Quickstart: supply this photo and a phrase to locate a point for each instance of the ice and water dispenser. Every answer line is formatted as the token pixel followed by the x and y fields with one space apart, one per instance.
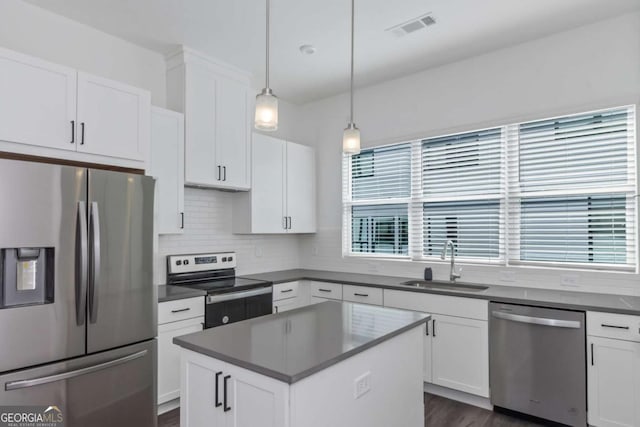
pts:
pixel 26 276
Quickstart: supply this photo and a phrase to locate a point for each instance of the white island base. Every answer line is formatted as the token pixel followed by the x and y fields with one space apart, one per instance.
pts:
pixel 391 371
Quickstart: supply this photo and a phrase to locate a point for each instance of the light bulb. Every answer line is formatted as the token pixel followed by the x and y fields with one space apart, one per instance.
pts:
pixel 266 117
pixel 351 140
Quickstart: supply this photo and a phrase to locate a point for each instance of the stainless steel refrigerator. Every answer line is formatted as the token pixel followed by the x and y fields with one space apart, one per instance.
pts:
pixel 77 302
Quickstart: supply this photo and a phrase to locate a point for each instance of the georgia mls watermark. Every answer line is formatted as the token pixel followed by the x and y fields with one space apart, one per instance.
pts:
pixel 31 416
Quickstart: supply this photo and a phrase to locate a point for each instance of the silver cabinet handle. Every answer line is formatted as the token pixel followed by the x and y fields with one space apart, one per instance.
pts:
pixel 324 290
pixel 556 323
pixel 284 291
pixel 181 310
pixel 73 131
pixel 360 295
pixel 94 270
pixel 212 299
pixel 82 133
pixel 82 263
pixel 15 385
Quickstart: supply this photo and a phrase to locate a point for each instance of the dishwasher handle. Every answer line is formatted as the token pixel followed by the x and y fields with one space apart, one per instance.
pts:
pixel 556 323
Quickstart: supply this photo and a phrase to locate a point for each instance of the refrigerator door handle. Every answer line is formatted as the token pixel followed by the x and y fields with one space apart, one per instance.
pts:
pixel 82 263
pixel 94 250
pixel 16 385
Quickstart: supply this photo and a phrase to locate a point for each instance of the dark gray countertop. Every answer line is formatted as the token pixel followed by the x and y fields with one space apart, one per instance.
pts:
pixel 509 294
pixel 292 345
pixel 170 293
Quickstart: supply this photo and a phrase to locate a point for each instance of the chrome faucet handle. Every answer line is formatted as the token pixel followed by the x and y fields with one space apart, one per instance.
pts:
pixel 455 275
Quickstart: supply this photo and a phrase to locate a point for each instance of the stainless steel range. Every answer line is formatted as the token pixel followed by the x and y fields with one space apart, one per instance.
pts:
pixel 229 298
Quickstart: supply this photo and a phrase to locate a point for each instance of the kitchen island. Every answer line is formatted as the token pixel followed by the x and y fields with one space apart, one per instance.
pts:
pixel 329 364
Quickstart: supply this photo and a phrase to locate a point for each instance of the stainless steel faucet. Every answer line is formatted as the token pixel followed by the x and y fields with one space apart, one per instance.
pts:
pixel 452 274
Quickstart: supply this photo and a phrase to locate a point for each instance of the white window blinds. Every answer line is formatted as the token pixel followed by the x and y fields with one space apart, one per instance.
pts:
pixel 462 188
pixel 559 191
pixel 572 190
pixel 376 192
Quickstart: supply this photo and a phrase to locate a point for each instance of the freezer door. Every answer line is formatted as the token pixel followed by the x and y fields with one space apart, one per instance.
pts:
pixel 121 296
pixel 113 388
pixel 41 207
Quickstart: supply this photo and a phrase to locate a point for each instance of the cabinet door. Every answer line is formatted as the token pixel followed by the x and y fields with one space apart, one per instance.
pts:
pixel 202 391
pixel 169 356
pixel 460 354
pixel 613 382
pixel 114 119
pixel 37 102
pixel 428 365
pixel 232 134
pixel 267 191
pixel 200 126
pixel 285 305
pixel 301 190
pixel 254 400
pixel 167 166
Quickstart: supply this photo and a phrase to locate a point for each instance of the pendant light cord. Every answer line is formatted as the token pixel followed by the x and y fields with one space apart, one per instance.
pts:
pixel 351 84
pixel 267 50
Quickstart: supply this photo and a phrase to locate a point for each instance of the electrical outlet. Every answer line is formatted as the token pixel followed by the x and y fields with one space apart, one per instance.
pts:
pixel 258 251
pixel 569 280
pixel 314 250
pixel 362 385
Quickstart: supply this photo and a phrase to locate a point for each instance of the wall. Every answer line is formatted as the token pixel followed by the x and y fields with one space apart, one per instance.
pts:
pixel 209 216
pixel 589 67
pixel 28 29
pixel 208 219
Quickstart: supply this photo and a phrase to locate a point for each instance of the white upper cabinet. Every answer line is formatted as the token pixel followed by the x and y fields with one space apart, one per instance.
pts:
pixel 283 193
pixel 53 111
pixel 37 102
pixel 167 166
pixel 215 101
pixel 300 189
pixel 113 118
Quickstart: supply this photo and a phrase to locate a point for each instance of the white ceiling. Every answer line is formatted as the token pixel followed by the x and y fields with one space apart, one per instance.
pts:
pixel 233 31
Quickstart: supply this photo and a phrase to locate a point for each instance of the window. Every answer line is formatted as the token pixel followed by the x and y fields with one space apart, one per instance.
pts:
pixel 558 191
pixel 377 193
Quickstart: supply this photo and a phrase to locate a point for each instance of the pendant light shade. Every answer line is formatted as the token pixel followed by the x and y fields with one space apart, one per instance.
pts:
pixel 351 140
pixel 266 117
pixel 351 136
pixel 266 111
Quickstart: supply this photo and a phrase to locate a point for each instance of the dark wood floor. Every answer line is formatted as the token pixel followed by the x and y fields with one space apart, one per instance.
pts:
pixel 438 412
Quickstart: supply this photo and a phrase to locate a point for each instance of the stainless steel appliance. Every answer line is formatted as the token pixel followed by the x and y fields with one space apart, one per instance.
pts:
pixel 538 362
pixel 229 298
pixel 77 301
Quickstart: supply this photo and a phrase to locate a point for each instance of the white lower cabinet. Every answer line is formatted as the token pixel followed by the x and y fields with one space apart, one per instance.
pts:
pixel 219 394
pixel 460 354
pixel 175 318
pixel 613 370
pixel 290 295
pixel 456 340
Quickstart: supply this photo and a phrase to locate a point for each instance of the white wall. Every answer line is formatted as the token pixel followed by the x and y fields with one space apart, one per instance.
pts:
pixel 28 29
pixel 208 219
pixel 593 66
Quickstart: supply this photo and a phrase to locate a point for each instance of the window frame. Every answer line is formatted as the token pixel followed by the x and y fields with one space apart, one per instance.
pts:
pixel 509 222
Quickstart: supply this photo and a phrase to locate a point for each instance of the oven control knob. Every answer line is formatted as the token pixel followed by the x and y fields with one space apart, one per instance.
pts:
pixel 225 319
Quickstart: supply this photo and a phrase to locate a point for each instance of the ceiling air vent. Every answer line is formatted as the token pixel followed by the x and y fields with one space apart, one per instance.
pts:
pixel 412 25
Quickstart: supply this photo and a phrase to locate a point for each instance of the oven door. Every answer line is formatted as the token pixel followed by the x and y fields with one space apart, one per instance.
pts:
pixel 236 306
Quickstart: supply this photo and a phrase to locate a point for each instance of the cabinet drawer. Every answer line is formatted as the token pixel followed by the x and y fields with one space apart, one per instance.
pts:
pixel 172 311
pixel 285 290
pixel 363 294
pixel 469 308
pixel 326 290
pixel 609 325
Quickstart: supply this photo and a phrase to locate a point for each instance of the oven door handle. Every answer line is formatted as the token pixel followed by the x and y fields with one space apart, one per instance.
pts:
pixel 558 323
pixel 212 299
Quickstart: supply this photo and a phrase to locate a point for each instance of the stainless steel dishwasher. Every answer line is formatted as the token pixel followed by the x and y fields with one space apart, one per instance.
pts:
pixel 538 362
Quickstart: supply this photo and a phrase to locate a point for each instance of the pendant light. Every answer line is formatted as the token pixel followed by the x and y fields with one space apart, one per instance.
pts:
pixel 351 136
pixel 266 117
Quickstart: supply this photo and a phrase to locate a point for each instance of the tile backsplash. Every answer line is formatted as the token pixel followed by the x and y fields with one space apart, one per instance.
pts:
pixel 208 221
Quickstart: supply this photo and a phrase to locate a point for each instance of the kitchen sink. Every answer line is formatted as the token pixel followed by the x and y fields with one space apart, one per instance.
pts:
pixel 445 286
